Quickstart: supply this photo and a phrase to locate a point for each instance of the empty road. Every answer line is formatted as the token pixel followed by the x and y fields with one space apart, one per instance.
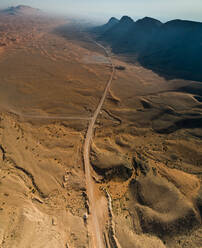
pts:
pixel 96 233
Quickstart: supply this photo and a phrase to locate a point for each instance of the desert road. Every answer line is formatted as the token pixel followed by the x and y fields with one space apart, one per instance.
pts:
pixel 96 233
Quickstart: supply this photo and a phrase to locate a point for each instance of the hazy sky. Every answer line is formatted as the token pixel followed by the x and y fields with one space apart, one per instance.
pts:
pixel 162 9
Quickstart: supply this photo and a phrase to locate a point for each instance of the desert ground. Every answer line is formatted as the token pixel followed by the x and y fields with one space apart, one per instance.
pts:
pixel 145 151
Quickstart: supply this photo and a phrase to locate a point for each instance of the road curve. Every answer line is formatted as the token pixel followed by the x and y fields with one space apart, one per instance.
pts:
pixel 96 233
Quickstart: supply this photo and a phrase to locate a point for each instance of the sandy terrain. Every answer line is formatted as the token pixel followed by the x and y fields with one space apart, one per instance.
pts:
pixel 48 93
pixel 146 152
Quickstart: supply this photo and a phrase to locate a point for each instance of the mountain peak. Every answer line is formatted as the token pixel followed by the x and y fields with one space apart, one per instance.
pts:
pixel 149 21
pixel 126 19
pixel 178 23
pixel 101 29
pixel 113 20
pixel 21 9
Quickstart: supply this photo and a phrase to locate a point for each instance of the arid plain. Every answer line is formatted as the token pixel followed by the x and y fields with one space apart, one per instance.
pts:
pixel 146 153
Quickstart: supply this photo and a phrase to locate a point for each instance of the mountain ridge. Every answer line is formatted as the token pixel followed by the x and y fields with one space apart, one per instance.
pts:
pixel 173 49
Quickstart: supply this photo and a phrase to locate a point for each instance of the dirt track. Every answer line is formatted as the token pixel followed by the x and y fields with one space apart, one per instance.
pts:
pixel 97 240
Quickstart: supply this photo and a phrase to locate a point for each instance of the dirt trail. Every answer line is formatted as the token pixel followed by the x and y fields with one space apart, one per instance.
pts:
pixel 96 232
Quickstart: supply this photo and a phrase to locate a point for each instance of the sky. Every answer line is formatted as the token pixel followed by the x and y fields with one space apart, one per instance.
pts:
pixel 163 10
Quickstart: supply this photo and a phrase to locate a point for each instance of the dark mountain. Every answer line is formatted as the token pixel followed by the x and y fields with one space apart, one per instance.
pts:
pixel 173 49
pixel 21 9
pixel 148 21
pixel 118 31
pixel 126 20
pixel 176 49
pixel 113 21
pixel 137 38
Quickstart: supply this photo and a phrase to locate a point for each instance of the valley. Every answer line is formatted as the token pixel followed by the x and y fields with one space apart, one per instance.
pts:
pixel 92 155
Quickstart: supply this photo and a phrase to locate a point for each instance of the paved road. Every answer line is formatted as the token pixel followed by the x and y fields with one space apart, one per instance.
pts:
pixel 97 236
